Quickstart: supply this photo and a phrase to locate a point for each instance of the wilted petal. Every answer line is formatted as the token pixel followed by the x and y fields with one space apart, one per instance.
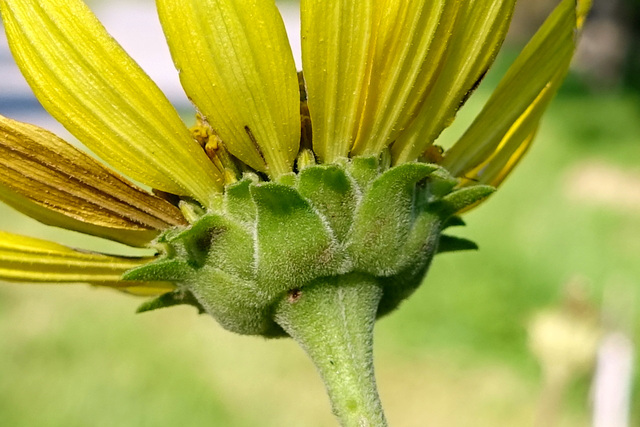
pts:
pixel 55 183
pixel 90 85
pixel 410 38
pixel 336 39
pixel 478 33
pixel 25 259
pixel 513 112
pixel 236 65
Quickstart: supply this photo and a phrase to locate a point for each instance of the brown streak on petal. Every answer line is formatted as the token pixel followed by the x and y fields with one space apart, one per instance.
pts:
pixel 254 141
pixel 65 193
pixel 45 169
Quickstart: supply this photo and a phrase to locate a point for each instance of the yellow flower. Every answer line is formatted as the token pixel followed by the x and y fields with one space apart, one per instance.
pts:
pixel 300 204
pixel 380 75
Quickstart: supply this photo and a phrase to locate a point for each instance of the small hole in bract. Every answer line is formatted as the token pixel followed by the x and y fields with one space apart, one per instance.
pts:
pixel 294 295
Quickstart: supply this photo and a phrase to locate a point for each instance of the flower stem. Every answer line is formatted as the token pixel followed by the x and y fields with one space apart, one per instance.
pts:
pixel 332 319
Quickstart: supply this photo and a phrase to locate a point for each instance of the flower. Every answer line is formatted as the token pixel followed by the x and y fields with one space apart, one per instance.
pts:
pixel 378 75
pixel 289 187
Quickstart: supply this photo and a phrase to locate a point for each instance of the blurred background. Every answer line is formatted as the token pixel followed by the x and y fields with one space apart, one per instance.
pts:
pixel 538 328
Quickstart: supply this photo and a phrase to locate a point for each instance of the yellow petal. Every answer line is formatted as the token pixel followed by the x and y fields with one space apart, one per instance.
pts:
pixel 144 289
pixel 90 85
pixel 236 65
pixel 506 160
pixel 55 183
pixel 512 113
pixel 515 144
pixel 409 38
pixel 25 259
pixel 41 213
pixel 336 38
pixel 478 33
pixel 582 10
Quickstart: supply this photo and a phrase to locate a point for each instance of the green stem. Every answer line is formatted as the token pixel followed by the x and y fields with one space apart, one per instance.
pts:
pixel 332 319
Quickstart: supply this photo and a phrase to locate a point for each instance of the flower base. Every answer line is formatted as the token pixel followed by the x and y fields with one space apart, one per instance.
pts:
pixel 264 240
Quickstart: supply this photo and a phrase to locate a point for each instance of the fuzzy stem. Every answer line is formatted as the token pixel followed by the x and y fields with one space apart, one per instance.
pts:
pixel 332 319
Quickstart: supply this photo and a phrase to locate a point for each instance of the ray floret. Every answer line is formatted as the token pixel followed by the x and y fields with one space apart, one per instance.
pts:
pixel 86 81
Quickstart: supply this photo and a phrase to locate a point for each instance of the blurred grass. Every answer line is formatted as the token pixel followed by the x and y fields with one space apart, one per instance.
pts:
pixel 454 355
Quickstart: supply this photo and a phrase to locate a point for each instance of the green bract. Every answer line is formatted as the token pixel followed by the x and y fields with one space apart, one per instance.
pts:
pixel 265 241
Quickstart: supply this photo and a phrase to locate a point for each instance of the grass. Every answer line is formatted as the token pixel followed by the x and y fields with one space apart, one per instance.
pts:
pixel 454 355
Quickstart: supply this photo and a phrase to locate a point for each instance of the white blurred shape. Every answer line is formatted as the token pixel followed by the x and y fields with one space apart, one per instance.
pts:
pixel 613 381
pixel 290 12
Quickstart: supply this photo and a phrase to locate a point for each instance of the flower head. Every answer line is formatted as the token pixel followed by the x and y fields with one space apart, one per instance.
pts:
pixel 380 78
